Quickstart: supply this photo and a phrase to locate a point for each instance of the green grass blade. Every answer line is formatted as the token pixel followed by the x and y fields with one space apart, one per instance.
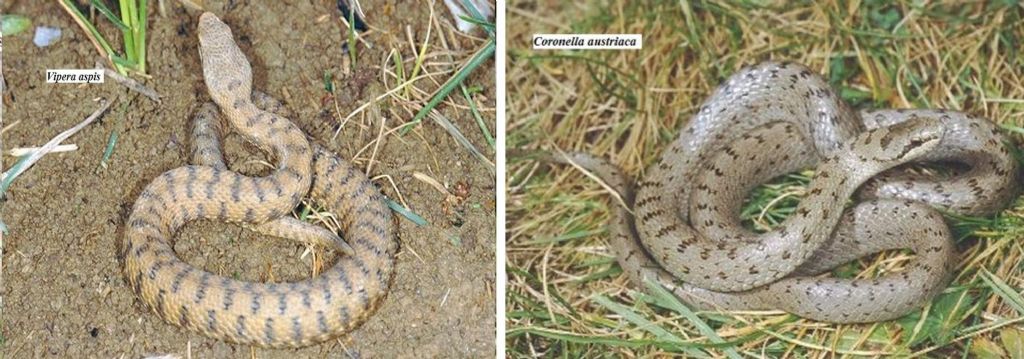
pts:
pixel 103 9
pixel 487 25
pixel 415 218
pixel 650 327
pixel 400 71
pixel 450 85
pixel 328 82
pixel 478 18
pixel 352 36
pixel 14 169
pixel 1010 295
pixel 666 298
pixel 306 210
pixel 109 150
pixel 128 35
pixel 112 139
pixel 479 119
pixel 118 60
pixel 581 339
pixel 140 35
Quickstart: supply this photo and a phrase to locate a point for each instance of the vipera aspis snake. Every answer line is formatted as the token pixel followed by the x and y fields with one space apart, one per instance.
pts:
pixel 264 314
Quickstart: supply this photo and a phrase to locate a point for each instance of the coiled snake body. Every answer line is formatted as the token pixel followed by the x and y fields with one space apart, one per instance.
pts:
pixel 271 314
pixel 776 118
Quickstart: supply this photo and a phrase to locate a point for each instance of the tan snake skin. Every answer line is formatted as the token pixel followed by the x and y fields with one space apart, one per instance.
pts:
pixel 270 314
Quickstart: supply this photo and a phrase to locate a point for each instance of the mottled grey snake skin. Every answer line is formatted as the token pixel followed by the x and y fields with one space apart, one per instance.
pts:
pixel 776 118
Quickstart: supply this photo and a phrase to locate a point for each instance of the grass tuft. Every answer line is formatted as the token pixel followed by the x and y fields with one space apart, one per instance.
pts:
pixel 456 80
pixel 131 23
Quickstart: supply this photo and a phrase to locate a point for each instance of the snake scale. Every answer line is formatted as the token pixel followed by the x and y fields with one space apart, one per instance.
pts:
pixel 770 119
pixel 264 314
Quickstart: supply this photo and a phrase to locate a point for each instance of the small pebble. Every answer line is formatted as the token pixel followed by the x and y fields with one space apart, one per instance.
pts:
pixel 45 36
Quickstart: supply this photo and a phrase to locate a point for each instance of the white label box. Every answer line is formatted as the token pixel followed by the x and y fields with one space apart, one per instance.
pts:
pixel 587 41
pixel 74 76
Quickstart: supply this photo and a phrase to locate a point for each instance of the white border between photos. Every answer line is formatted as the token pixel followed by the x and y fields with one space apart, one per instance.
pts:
pixel 500 121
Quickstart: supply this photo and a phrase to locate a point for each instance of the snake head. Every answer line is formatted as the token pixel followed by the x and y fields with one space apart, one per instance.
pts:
pixel 226 71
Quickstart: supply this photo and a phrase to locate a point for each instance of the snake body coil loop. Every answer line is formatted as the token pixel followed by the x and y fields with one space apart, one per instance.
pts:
pixel 776 118
pixel 264 314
